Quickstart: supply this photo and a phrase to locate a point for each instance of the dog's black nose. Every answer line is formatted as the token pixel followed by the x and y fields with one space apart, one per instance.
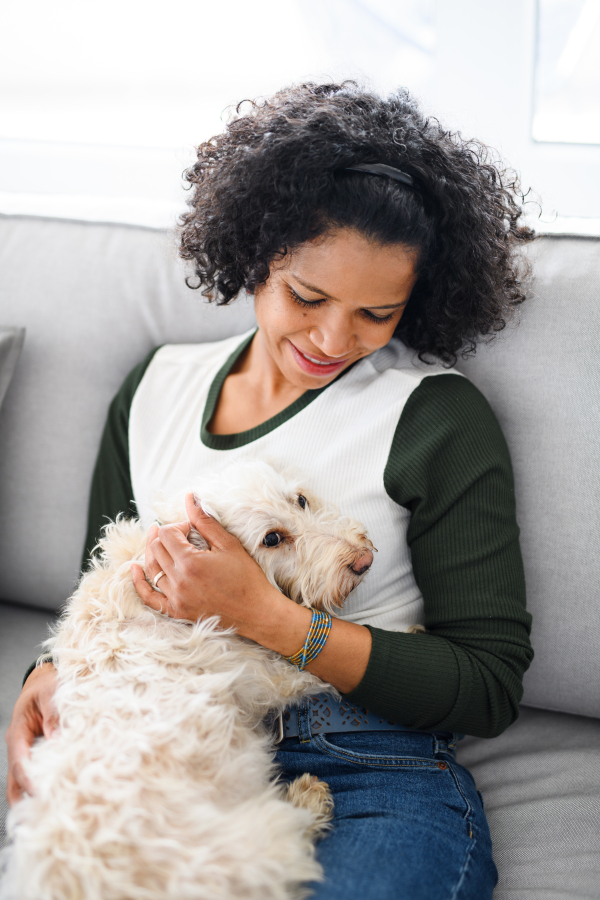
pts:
pixel 363 563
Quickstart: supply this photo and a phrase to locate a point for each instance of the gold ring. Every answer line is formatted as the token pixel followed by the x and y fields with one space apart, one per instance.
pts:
pixel 157 579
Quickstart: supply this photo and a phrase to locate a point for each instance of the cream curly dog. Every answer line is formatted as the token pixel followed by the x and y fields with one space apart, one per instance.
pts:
pixel 160 781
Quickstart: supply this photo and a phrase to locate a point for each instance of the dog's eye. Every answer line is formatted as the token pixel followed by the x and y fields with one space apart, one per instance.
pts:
pixel 272 539
pixel 302 501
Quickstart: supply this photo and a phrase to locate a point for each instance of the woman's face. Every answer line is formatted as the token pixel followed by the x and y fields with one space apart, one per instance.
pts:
pixel 331 302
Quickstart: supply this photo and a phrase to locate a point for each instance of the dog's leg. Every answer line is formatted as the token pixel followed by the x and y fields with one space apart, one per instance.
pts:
pixel 309 792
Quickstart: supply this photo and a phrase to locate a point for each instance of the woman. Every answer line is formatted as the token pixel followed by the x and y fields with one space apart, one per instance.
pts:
pixel 377 247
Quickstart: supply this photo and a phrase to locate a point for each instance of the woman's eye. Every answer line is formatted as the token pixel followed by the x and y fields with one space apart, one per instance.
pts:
pixel 314 304
pixel 302 501
pixel 272 539
pixel 381 320
pixel 311 304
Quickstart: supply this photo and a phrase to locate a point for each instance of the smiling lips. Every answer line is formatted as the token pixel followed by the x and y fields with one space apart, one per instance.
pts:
pixel 315 366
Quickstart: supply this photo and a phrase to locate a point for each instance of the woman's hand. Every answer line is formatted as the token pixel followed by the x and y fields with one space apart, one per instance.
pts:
pixel 222 581
pixel 34 716
pixel 225 581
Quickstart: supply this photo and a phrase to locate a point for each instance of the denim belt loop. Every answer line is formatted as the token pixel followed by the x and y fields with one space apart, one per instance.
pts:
pixel 304 729
pixel 445 744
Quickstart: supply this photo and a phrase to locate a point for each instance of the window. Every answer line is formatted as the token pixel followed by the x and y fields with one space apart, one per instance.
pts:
pixel 567 77
pixel 101 105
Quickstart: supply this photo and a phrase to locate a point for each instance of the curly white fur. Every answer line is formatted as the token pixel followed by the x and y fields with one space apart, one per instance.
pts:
pixel 160 781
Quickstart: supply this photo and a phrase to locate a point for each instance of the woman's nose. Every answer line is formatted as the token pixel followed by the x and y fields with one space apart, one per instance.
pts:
pixel 335 338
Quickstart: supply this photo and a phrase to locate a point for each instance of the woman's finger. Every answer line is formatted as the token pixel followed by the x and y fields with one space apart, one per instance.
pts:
pixel 49 720
pixel 34 715
pixel 163 561
pixel 211 530
pixel 151 567
pixel 175 541
pixel 47 706
pixel 146 593
pixel 17 782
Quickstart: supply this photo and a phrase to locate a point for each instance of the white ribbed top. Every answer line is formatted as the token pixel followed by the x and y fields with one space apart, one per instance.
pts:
pixel 341 440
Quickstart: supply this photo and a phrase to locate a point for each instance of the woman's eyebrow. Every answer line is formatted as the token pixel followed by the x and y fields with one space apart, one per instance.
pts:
pixel 316 290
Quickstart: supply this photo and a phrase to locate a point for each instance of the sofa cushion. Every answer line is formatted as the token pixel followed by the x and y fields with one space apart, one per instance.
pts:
pixel 540 782
pixel 542 378
pixel 94 299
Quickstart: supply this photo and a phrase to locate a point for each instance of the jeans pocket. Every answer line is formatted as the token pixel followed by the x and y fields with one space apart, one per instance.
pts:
pixel 379 750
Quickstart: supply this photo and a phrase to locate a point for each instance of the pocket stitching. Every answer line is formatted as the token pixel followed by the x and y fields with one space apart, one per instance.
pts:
pixel 397 762
pixel 469 810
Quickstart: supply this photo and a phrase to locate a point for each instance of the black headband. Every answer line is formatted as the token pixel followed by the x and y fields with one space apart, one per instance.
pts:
pixel 382 169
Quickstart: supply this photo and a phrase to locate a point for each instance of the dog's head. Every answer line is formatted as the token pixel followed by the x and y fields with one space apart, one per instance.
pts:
pixel 306 548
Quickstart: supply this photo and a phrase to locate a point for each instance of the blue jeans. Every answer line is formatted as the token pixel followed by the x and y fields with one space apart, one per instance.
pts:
pixel 408 820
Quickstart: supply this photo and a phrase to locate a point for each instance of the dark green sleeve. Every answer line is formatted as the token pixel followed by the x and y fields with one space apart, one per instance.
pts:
pixel 450 467
pixel 111 492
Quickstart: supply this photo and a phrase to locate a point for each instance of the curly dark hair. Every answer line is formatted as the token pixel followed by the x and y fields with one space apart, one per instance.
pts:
pixel 277 177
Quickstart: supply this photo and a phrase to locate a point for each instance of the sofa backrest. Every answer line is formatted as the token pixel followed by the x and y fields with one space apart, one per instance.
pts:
pixel 96 298
pixel 542 378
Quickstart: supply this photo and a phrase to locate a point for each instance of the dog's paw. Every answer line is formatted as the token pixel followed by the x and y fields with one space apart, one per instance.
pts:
pixel 416 629
pixel 311 793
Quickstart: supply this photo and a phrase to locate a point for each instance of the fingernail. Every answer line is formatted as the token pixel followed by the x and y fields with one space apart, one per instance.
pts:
pixel 197 501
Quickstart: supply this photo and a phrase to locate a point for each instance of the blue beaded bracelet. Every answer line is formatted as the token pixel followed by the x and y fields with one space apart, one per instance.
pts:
pixel 320 626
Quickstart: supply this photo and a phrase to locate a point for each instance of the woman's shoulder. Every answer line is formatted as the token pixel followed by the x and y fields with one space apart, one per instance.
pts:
pixel 435 391
pixel 404 362
pixel 450 405
pixel 205 353
pixel 170 364
pixel 447 438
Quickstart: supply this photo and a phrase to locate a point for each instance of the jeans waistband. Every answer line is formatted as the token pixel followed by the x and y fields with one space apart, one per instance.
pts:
pixel 322 714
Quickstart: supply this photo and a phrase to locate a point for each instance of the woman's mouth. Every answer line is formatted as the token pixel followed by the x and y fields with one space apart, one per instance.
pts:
pixel 314 365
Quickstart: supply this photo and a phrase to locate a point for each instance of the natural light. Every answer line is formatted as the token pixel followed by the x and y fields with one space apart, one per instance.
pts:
pixel 101 107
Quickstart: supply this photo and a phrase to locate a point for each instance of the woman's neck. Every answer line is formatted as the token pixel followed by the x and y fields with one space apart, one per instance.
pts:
pixel 254 391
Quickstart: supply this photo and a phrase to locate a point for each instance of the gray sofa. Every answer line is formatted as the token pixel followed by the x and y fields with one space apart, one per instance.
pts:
pixel 94 298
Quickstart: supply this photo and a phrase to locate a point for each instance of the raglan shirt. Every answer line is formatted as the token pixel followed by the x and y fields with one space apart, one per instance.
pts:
pixel 449 467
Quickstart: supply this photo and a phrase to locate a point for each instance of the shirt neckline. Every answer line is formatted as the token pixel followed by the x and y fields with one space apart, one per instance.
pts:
pixel 241 438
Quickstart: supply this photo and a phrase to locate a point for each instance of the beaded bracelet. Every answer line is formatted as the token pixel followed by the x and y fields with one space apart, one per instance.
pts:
pixel 320 626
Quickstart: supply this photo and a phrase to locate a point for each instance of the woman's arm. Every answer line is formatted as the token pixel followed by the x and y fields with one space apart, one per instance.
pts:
pixel 450 466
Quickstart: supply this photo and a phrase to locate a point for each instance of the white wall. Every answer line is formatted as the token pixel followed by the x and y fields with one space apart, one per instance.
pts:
pixel 484 85
pixel 101 105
